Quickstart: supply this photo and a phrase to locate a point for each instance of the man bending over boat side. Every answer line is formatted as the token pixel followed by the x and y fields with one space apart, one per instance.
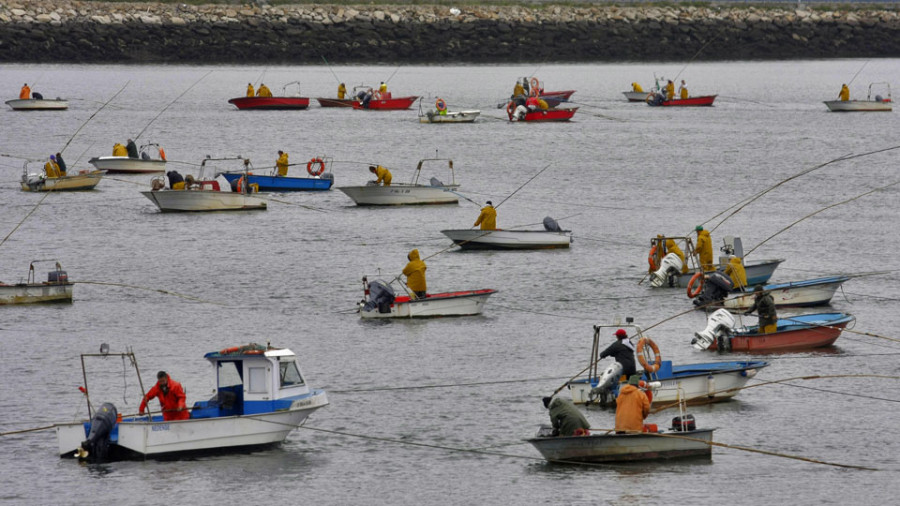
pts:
pixel 384 175
pixel 415 274
pixel 632 407
pixel 51 168
pixel 171 398
pixel 567 420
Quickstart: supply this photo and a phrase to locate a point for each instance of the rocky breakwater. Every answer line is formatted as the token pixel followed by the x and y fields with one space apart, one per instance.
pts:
pixel 76 31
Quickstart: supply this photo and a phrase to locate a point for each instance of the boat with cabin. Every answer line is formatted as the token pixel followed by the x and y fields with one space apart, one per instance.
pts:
pixel 412 193
pixel 81 180
pixel 320 178
pixel 145 164
pixel 801 332
pixel 260 396
pixel 276 103
pixel 878 102
pixel 203 194
pixel 379 301
pixel 57 288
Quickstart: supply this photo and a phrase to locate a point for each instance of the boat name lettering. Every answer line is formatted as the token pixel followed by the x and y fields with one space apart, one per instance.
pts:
pixel 301 403
pixel 162 426
pixel 399 191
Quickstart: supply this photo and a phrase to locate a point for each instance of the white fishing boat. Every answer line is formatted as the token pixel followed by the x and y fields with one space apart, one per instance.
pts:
pixel 611 447
pixel 637 96
pixel 145 164
pixel 260 396
pixel 872 103
pixel 38 104
pixel 509 239
pixel 57 288
pixel 379 301
pixel 441 114
pixel 72 181
pixel 811 292
pixel 204 194
pixel 412 193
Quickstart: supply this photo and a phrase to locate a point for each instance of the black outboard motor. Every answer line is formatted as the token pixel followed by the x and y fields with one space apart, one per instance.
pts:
pixel 96 447
pixel 551 225
pixel 436 182
pixel 715 288
pixel 381 296
pixel 37 96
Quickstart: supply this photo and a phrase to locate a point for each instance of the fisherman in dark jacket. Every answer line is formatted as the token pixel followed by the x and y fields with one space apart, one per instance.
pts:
pixel 623 352
pixel 565 417
pixel 131 147
pixel 764 305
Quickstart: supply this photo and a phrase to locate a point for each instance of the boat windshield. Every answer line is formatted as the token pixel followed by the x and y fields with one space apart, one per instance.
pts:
pixel 290 374
pixel 229 374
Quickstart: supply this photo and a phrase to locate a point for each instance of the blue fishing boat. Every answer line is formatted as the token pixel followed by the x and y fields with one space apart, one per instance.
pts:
pixel 319 179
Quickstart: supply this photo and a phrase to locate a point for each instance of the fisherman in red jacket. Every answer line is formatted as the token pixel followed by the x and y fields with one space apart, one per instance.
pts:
pixel 171 398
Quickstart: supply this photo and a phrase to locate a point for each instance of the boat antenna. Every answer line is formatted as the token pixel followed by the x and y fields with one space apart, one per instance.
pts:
pixel 523 185
pixel 92 117
pixel 170 104
pixel 332 71
pixel 858 71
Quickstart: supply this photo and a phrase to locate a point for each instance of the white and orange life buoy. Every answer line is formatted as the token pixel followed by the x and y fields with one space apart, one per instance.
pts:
pixel 313 162
pixel 642 355
pixel 440 105
pixel 535 87
pixel 693 291
pixel 651 258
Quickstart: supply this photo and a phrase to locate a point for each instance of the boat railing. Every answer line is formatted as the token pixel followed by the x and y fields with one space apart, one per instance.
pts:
pixel 290 85
pixel 209 158
pixel 418 171
pixel 886 84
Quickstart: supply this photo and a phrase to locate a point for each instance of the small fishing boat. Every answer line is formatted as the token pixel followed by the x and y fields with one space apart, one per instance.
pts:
pixel 343 102
pixel 385 102
pixel 811 292
pixel 261 396
pixel 611 447
pixel 283 102
pixel 793 333
pixel 407 193
pixel 870 104
pixel 73 181
pixel 442 115
pixel 758 272
pixel 57 288
pixel 699 101
pixel 319 179
pixel 379 301
pixel 145 164
pixel 204 194
pixel 562 114
pixel 38 104
pixel 554 98
pixel 549 238
pixel 637 96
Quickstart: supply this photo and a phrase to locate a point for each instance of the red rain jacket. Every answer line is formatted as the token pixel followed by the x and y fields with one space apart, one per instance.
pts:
pixel 172 403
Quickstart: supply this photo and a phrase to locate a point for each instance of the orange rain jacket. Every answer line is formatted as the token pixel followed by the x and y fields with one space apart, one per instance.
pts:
pixel 632 406
pixel 172 403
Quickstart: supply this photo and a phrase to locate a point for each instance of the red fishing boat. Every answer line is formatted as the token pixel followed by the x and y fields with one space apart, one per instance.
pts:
pixel 273 103
pixel 801 332
pixel 540 115
pixel 704 100
pixel 386 102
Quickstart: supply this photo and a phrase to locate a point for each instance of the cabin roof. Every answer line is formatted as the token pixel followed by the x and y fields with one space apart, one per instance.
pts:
pixel 248 350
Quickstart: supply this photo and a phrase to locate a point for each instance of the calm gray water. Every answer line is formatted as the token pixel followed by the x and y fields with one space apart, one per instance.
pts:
pixel 289 275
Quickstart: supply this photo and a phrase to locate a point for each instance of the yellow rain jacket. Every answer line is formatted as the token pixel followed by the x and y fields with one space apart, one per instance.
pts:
pixel 543 104
pixel 51 169
pixel 735 270
pixel 671 247
pixel 487 219
pixel 250 91
pixel 282 164
pixel 845 93
pixel 342 91
pixel 263 91
pixel 119 150
pixel 383 175
pixel 415 272
pixel 670 91
pixel 705 250
pixel 637 88
pixel 632 406
pixel 518 90
pixel 383 88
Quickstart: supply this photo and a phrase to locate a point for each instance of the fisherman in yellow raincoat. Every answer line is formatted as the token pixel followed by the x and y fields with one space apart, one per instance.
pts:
pixel 845 93
pixel 670 90
pixel 488 217
pixel 415 274
pixel 119 150
pixel 518 90
pixel 735 270
pixel 263 91
pixel 383 89
pixel 51 169
pixel 671 247
pixel 342 91
pixel 683 91
pixel 383 174
pixel 704 248
pixel 250 91
pixel 282 163
pixel 635 87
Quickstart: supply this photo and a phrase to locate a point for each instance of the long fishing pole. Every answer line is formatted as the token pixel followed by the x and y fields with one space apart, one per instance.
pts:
pixel 523 185
pixel 858 71
pixel 332 71
pixel 170 104
pixel 696 55
pixel 259 79
pixel 392 75
pixel 92 116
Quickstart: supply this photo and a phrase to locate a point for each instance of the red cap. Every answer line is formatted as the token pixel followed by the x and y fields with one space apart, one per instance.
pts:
pixel 621 334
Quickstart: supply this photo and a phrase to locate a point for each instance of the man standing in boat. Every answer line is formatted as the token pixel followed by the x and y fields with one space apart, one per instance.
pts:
pixel 704 248
pixel 250 92
pixel 342 91
pixel 764 305
pixel 567 420
pixel 632 407
pixel 282 163
pixel 25 92
pixel 683 91
pixel 488 217
pixel 131 148
pixel 383 174
pixel 171 398
pixel 415 274
pixel 623 351
pixel 670 90
pixel 844 94
pixel 263 91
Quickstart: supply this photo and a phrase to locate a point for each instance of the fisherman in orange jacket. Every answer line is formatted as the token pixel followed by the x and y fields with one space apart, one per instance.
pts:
pixel 171 398
pixel 632 406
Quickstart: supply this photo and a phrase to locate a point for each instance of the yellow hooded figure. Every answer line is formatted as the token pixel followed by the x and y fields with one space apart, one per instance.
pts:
pixel 488 217
pixel 415 274
pixel 342 91
pixel 250 91
pixel 282 163
pixel 119 150
pixel 704 249
pixel 636 88
pixel 735 269
pixel 383 174
pixel 844 94
pixel 671 247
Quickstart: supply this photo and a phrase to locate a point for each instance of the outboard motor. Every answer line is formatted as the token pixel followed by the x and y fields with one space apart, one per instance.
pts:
pixel 719 327
pixel 520 113
pixel 37 96
pixel 605 383
pixel 96 447
pixel 715 289
pixel 381 296
pixel 436 182
pixel 670 265
pixel 551 225
pixel 327 175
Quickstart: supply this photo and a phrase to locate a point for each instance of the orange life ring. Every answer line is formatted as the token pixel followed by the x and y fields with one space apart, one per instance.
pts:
pixel 510 107
pixel 691 292
pixel 240 184
pixel 440 105
pixel 253 352
pixel 311 163
pixel 535 87
pixel 657 357
pixel 227 351
pixel 651 258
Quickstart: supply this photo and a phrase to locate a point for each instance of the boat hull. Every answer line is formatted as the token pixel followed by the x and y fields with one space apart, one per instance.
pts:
pixel 554 98
pixel 636 96
pixel 451 117
pixel 794 333
pixel 462 303
pixel 625 447
pixel 204 200
pixel 336 102
pixel 33 104
pixel 34 293
pixel 159 438
pixel 758 273
pixel 699 383
pixel 386 104
pixel 401 194
pixel 77 182
pixel 702 101
pixel 813 292
pixel 270 103
pixel 126 165
pixel 508 239
pixel 859 106
pixel 283 184
pixel 550 115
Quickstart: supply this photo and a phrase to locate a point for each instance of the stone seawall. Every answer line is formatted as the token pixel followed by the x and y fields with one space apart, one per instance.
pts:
pixel 74 31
